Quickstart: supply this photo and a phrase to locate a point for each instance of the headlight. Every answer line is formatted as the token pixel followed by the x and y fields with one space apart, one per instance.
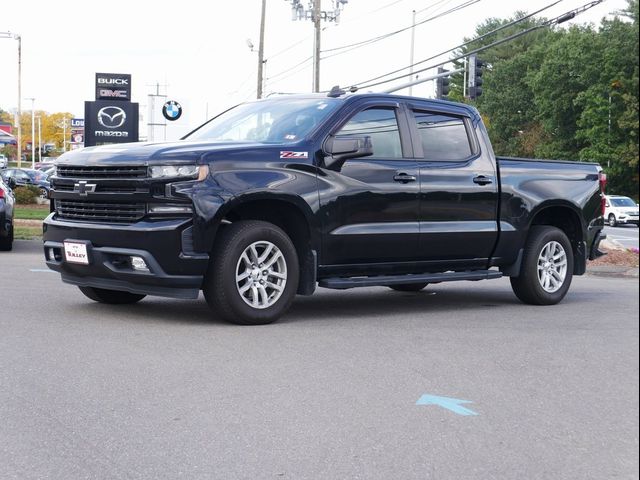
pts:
pixel 173 171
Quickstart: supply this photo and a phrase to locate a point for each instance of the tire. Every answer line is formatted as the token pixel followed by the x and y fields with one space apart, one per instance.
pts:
pixel 547 267
pixel 408 287
pixel 44 193
pixel 6 243
pixel 237 288
pixel 112 297
pixel 612 220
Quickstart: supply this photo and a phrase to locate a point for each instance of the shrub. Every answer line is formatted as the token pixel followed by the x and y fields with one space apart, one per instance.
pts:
pixel 27 194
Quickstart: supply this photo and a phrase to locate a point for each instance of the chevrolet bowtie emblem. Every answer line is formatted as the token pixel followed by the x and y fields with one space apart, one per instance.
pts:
pixel 83 188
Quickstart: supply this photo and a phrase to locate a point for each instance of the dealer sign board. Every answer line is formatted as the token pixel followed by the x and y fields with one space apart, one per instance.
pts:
pixel 113 86
pixel 110 122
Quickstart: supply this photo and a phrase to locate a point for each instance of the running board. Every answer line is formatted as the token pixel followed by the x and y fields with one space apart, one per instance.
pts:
pixel 342 283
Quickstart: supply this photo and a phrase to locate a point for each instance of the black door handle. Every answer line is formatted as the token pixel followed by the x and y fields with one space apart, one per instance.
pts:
pixel 404 178
pixel 482 180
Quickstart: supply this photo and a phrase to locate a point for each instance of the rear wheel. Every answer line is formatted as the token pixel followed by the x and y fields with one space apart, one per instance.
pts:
pixel 547 267
pixel 408 287
pixel 253 275
pixel 612 220
pixel 114 297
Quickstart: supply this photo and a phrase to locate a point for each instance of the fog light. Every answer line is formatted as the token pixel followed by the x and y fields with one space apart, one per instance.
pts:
pixel 139 264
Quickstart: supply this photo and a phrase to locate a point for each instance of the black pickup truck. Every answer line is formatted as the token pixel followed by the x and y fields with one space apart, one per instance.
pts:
pixel 275 197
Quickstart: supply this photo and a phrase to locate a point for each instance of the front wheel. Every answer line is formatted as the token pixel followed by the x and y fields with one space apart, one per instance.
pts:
pixel 612 220
pixel 253 275
pixel 6 243
pixel 547 267
pixel 113 297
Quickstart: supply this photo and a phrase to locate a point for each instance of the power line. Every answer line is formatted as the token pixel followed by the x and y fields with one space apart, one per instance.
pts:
pixel 467 3
pixel 557 20
pixel 289 69
pixel 515 22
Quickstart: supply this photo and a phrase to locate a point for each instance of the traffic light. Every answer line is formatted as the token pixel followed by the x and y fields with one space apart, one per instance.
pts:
pixel 475 76
pixel 442 84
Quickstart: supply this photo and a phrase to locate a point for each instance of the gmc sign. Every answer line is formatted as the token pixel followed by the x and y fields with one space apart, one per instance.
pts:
pixel 113 86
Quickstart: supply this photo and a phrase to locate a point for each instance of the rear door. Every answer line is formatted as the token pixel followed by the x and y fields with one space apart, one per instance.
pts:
pixel 458 187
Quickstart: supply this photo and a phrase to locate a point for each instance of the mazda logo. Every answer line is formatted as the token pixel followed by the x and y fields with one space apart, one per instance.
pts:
pixel 111 117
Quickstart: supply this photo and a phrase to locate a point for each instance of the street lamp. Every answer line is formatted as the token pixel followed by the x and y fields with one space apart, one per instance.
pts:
pixel 33 132
pixel 17 37
pixel 39 139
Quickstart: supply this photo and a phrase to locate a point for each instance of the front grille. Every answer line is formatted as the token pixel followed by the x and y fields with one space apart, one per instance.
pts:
pixel 70 171
pixel 103 189
pixel 100 211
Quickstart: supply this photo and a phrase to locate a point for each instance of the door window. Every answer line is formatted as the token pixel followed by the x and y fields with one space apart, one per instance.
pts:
pixel 381 125
pixel 443 137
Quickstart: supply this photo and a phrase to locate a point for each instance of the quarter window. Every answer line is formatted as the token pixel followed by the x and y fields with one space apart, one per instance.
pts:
pixel 381 125
pixel 443 137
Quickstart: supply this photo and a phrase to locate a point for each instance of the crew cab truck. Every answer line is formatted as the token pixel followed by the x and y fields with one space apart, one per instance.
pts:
pixel 274 197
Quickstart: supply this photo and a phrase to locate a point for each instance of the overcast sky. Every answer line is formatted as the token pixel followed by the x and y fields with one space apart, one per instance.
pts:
pixel 197 51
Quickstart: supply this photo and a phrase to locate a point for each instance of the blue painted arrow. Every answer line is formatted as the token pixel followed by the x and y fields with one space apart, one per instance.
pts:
pixel 452 404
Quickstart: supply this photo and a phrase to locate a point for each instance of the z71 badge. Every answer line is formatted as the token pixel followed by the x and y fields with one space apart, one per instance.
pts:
pixel 294 154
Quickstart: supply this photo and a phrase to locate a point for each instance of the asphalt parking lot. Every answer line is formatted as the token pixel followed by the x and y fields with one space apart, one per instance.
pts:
pixel 344 387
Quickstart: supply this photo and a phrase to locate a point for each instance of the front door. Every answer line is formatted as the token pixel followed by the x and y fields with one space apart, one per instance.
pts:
pixel 370 207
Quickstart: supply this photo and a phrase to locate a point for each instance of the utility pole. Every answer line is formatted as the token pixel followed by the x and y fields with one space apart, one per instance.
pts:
pixel 19 39
pixel 261 50
pixel 316 46
pixel 315 13
pixel 151 113
pixel 413 41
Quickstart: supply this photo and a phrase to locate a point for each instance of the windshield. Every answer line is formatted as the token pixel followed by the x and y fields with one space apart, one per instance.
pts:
pixel 623 202
pixel 282 120
pixel 36 176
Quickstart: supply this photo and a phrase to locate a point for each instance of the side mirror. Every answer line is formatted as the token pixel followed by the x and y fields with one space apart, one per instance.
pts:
pixel 340 149
pixel 11 182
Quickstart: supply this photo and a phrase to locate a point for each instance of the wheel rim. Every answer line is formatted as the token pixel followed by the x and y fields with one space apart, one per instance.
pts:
pixel 261 274
pixel 552 267
pixel 612 220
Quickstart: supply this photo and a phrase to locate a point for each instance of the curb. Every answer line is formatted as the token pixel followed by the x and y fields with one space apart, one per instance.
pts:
pixel 613 271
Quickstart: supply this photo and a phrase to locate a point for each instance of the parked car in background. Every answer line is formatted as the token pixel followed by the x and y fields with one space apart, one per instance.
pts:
pixel 620 210
pixel 48 170
pixel 4 161
pixel 45 163
pixel 6 215
pixel 28 176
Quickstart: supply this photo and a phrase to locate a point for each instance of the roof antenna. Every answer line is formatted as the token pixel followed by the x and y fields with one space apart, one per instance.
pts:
pixel 335 92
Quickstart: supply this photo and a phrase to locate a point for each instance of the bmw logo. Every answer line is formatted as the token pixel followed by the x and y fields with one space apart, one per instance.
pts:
pixel 171 110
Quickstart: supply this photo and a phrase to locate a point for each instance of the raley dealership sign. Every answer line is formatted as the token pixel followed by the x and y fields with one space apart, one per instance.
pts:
pixel 110 122
pixel 113 86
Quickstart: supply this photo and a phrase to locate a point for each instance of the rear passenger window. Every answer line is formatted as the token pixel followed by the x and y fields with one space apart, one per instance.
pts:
pixel 381 124
pixel 443 137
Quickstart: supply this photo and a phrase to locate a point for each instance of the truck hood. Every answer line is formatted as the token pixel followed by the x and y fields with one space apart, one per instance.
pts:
pixel 170 153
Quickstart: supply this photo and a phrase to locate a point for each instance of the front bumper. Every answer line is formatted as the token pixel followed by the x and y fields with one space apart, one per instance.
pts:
pixel 173 268
pixel 629 219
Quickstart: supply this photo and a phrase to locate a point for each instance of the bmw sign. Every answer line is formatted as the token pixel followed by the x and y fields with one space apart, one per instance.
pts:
pixel 172 110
